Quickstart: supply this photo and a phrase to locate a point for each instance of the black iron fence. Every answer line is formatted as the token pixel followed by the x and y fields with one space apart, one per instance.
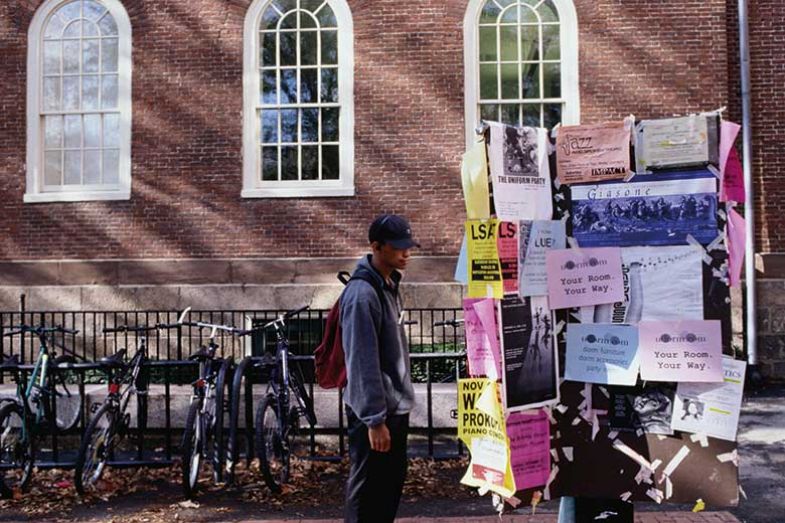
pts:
pixel 437 357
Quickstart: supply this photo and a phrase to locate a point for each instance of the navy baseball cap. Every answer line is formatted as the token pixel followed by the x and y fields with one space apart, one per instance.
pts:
pixel 392 229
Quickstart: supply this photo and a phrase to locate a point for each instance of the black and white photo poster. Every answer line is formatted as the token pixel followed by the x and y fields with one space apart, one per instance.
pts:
pixel 530 372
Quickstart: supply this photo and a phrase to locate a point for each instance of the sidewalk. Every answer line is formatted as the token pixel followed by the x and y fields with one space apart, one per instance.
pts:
pixel 642 517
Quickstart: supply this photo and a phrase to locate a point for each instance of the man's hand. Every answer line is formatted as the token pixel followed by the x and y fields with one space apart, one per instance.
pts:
pixel 379 436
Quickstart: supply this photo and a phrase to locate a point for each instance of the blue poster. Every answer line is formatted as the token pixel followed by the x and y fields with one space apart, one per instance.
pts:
pixel 656 209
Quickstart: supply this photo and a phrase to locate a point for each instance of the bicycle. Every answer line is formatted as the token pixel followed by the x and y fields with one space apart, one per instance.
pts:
pixel 277 419
pixel 203 437
pixel 35 406
pixel 111 423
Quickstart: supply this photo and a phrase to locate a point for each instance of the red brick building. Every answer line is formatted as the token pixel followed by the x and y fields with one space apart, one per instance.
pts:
pixel 230 153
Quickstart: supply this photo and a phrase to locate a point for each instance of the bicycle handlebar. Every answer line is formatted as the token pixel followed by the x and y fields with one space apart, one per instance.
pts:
pixel 281 318
pixel 449 323
pixel 140 328
pixel 40 330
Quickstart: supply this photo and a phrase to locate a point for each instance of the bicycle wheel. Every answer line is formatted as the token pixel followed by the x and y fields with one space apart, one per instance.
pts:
pixel 222 405
pixel 271 446
pixel 193 447
pixel 17 452
pixel 64 384
pixel 95 449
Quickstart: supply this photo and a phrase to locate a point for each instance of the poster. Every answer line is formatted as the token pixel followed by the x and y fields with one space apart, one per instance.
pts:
pixel 530 448
pixel 660 283
pixel 711 408
pixel 677 142
pixel 645 410
pixel 602 353
pixel 659 209
pixel 529 362
pixel 593 153
pixel 736 234
pixel 579 277
pixel 520 173
pixel 485 277
pixel 535 238
pixel 507 245
pixel 481 427
pixel 481 352
pixel 687 350
pixel 474 177
pixel 461 267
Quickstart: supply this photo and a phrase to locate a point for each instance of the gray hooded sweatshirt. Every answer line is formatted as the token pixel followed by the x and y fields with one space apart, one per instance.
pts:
pixel 377 357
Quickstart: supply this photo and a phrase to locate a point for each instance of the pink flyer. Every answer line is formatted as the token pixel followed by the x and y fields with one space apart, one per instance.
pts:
pixel 689 350
pixel 530 448
pixel 578 277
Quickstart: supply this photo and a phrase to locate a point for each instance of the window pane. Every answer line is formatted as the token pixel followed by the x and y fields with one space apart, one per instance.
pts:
pixel 92 167
pixel 550 42
pixel 71 53
pixel 73 131
pixel 111 130
pixel 289 86
pixel 509 81
pixel 530 79
pixel 489 112
pixel 488 82
pixel 326 17
pixel 268 48
pixel 289 21
pixel 552 79
pixel 73 30
pixel 508 39
pixel 531 115
pixel 111 165
pixel 548 12
pixel 306 21
pixel 107 26
pixel 308 86
pixel 52 93
pixel 53 132
pixel 552 115
pixel 72 174
pixel 490 13
pixel 52 57
pixel 288 48
pixel 289 126
pixel 269 126
pixel 90 92
pixel 89 29
pixel 269 163
pixel 289 163
pixel 93 10
pixel 487 44
pixel 308 47
pixel 92 130
pixel 310 125
pixel 528 16
pixel 329 85
pixel 109 91
pixel 54 27
pixel 510 15
pixel 270 18
pixel 510 114
pixel 311 5
pixel 530 43
pixel 70 11
pixel 330 162
pixel 330 122
pixel 53 168
pixel 71 93
pixel 269 95
pixel 329 47
pixel 310 162
pixel 109 55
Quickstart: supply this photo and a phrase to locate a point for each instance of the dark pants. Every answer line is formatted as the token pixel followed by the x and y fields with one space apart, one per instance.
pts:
pixel 375 482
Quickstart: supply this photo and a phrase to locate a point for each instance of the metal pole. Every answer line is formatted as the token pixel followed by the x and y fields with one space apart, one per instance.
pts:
pixel 749 207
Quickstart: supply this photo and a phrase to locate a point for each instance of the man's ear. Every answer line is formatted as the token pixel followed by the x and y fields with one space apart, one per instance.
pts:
pixel 376 246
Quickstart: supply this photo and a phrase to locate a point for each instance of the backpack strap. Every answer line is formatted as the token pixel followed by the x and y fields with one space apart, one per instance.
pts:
pixel 345 278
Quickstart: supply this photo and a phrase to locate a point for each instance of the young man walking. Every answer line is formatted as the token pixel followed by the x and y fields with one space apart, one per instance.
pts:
pixel 379 393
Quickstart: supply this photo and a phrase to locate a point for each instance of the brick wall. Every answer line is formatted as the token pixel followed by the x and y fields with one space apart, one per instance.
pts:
pixel 648 58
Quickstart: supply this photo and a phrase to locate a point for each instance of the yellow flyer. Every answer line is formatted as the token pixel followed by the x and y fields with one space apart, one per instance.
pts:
pixel 474 176
pixel 481 427
pixel 484 268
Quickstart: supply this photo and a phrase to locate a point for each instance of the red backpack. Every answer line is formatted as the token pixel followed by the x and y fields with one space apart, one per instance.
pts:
pixel 329 359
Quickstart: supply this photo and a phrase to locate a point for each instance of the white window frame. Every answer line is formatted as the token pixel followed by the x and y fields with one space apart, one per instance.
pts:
pixel 568 41
pixel 35 145
pixel 253 186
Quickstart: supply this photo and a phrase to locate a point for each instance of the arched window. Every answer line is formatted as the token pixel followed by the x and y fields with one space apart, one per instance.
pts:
pixel 79 102
pixel 298 128
pixel 521 63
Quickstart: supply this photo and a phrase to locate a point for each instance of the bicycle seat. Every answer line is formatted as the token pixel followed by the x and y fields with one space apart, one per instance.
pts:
pixel 115 360
pixel 10 362
pixel 202 355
